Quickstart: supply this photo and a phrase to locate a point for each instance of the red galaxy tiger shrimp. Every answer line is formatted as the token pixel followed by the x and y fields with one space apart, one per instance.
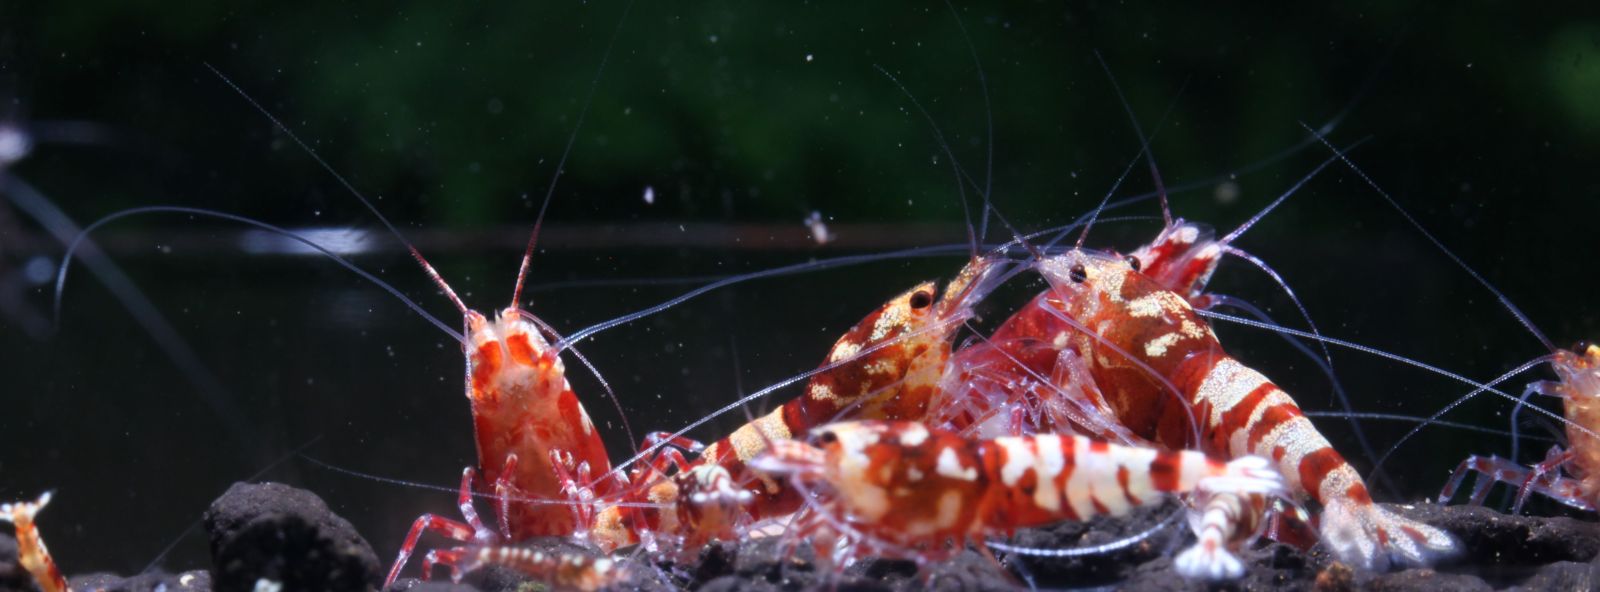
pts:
pixel 887 366
pixel 533 436
pixel 1578 386
pixel 1139 341
pixel 901 489
pixel 534 439
pixel 31 551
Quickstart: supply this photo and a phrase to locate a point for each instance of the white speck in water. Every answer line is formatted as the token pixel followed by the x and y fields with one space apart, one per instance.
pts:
pixel 819 230
pixel 1227 192
pixel 713 38
pixel 809 57
pixel 14 144
pixel 39 270
pixel 495 106
pixel 649 195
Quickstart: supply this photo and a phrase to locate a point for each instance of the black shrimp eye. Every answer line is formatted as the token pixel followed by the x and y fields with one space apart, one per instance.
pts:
pixel 827 438
pixel 1078 273
pixel 1132 262
pixel 921 299
pixel 1582 346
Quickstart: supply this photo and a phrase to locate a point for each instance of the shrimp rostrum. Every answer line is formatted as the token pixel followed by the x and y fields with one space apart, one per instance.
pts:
pixel 901 489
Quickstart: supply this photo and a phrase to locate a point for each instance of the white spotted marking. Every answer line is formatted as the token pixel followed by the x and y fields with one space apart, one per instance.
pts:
pixel 1049 465
pixel 1080 484
pixel 1018 460
pixel 914 435
pixel 950 466
pixel 1157 347
pixel 949 509
pixel 844 350
pixel 1225 385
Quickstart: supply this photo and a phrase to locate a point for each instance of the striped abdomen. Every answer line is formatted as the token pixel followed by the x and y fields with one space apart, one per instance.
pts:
pixel 916 487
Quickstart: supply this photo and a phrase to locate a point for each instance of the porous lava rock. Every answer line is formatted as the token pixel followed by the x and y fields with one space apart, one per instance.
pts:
pixel 285 535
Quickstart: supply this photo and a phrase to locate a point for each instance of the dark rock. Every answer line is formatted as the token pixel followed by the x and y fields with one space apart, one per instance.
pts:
pixel 733 583
pixel 416 585
pixel 1425 580
pixel 1564 575
pixel 1490 537
pixel 1107 568
pixel 279 533
pixel 189 581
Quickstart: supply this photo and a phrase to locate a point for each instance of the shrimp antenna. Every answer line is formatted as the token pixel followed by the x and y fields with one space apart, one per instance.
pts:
pixel 66 259
pixel 549 193
pixel 1099 549
pixel 1478 387
pixel 415 254
pixel 1144 146
pixel 988 117
pixel 1149 155
pixel 1444 423
pixel 1504 301
pixel 938 137
pixel 960 174
pixel 1144 151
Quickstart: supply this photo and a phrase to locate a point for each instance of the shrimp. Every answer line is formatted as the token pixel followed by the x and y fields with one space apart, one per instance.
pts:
pixel 533 436
pixel 30 546
pixel 1578 386
pixel 901 489
pixel 887 366
pixel 1140 342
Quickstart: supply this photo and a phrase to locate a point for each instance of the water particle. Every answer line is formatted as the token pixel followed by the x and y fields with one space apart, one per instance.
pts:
pixel 1226 192
pixel 39 270
pixel 495 106
pixel 713 38
pixel 809 57
pixel 819 230
pixel 649 195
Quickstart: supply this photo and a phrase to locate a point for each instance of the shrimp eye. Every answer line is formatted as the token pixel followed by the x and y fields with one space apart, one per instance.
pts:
pixel 1132 262
pixel 827 438
pixel 921 299
pixel 1078 274
pixel 1582 346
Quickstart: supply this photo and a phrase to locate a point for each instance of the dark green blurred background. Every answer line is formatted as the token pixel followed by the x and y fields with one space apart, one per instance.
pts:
pixel 741 120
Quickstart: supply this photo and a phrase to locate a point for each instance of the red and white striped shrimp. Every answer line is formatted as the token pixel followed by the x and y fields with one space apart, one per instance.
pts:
pixel 534 438
pixel 887 366
pixel 1569 475
pixel 901 489
pixel 1141 342
pixel 31 551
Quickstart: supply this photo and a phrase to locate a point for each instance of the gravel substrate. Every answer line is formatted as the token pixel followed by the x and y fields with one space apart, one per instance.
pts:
pixel 270 534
